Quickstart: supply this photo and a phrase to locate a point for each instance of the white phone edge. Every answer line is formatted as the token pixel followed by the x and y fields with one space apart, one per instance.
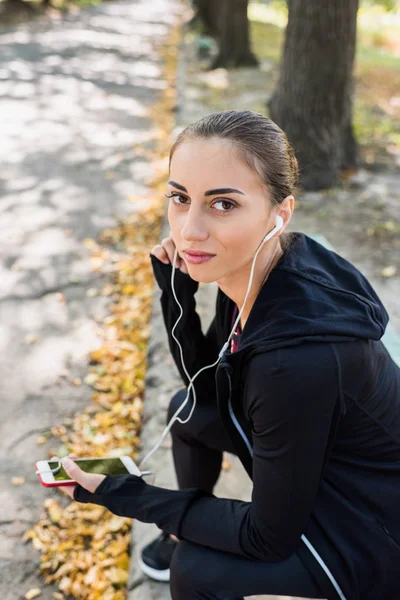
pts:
pixel 48 477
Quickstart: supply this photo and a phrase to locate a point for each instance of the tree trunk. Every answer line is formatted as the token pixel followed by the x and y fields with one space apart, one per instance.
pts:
pixel 234 35
pixel 313 100
pixel 18 5
pixel 351 156
pixel 208 11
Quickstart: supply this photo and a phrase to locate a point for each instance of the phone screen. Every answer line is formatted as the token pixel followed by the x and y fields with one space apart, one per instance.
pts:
pixel 105 466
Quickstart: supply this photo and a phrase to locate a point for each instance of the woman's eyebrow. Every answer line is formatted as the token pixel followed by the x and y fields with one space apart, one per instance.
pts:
pixel 209 192
pixel 178 186
pixel 223 191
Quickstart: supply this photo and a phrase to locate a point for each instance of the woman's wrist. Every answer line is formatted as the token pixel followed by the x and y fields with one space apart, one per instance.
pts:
pixel 107 486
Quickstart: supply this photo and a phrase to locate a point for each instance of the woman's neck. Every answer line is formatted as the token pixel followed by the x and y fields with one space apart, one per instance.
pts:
pixel 235 284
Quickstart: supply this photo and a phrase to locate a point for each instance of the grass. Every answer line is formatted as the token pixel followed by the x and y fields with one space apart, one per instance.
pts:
pixel 267 39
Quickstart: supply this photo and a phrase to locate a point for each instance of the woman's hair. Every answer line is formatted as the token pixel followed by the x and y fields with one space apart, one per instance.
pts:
pixel 260 142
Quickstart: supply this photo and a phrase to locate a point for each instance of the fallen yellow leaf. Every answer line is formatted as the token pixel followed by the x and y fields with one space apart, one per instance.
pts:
pixel 55 512
pixel 89 243
pixel 18 480
pixel 118 576
pixel 226 465
pixel 389 271
pixel 85 548
pixel 33 593
pixel 116 523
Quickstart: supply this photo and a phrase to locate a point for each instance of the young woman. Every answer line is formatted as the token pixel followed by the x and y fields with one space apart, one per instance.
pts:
pixel 306 395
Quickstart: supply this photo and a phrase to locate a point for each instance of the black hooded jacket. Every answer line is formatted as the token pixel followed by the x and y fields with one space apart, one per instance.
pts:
pixel 311 401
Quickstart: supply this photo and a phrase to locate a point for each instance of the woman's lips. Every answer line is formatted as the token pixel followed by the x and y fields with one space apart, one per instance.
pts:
pixel 196 259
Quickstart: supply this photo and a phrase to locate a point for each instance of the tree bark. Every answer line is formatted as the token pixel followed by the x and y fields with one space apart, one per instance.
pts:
pixel 20 5
pixel 313 100
pixel 208 11
pixel 351 155
pixel 228 18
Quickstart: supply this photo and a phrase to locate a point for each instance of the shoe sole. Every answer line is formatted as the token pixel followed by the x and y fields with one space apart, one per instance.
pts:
pixel 158 575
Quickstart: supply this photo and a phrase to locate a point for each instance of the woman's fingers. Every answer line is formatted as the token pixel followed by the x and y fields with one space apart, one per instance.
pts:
pixel 169 247
pixel 165 251
pixel 160 253
pixel 90 481
pixel 69 456
pixel 68 490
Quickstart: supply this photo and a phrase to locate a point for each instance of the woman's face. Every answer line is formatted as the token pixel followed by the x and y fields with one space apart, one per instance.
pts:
pixel 218 206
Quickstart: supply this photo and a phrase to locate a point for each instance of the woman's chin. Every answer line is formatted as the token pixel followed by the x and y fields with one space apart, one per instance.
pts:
pixel 200 277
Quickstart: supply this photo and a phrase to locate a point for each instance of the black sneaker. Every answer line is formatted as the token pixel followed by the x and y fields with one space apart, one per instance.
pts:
pixel 155 558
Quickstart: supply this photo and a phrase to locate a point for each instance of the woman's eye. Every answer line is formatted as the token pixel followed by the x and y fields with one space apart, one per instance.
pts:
pixel 177 198
pixel 219 205
pixel 226 205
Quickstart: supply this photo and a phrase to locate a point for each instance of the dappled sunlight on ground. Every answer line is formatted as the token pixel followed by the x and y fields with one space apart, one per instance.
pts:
pixel 75 117
pixel 77 97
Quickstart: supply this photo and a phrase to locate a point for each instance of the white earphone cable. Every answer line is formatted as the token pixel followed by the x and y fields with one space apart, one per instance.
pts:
pixel 221 353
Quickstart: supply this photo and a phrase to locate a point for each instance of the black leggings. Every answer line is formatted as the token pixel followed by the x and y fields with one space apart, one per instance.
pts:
pixel 198 572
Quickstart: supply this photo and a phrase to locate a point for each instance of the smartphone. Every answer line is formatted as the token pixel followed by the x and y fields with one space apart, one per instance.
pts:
pixel 107 465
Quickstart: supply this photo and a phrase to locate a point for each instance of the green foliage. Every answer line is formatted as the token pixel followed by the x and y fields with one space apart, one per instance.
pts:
pixel 373 126
pixel 388 5
pixel 267 40
pixel 376 57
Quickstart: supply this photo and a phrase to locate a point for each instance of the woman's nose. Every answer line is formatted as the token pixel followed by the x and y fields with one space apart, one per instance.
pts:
pixel 193 227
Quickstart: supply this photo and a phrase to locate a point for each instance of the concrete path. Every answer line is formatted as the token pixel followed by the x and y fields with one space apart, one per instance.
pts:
pixel 75 96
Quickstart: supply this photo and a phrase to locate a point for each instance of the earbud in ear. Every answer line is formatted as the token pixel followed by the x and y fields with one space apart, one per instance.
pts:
pixel 278 226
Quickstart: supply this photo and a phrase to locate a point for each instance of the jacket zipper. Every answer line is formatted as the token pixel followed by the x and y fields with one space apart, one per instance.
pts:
pixel 303 537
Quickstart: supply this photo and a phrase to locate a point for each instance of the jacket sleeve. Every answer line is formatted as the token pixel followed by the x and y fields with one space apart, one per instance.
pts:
pixel 290 396
pixel 199 350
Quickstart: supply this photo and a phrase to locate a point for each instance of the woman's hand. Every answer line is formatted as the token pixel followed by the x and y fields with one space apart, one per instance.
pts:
pixel 89 481
pixel 165 252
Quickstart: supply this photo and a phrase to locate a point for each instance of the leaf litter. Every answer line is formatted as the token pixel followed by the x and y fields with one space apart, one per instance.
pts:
pixel 85 548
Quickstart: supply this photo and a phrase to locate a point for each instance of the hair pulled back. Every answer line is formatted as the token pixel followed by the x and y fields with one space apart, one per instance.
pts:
pixel 260 142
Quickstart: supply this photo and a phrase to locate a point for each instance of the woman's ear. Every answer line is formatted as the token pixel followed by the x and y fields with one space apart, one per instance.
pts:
pixel 286 209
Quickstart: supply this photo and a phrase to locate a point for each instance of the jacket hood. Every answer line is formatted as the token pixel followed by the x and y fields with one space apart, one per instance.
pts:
pixel 313 294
